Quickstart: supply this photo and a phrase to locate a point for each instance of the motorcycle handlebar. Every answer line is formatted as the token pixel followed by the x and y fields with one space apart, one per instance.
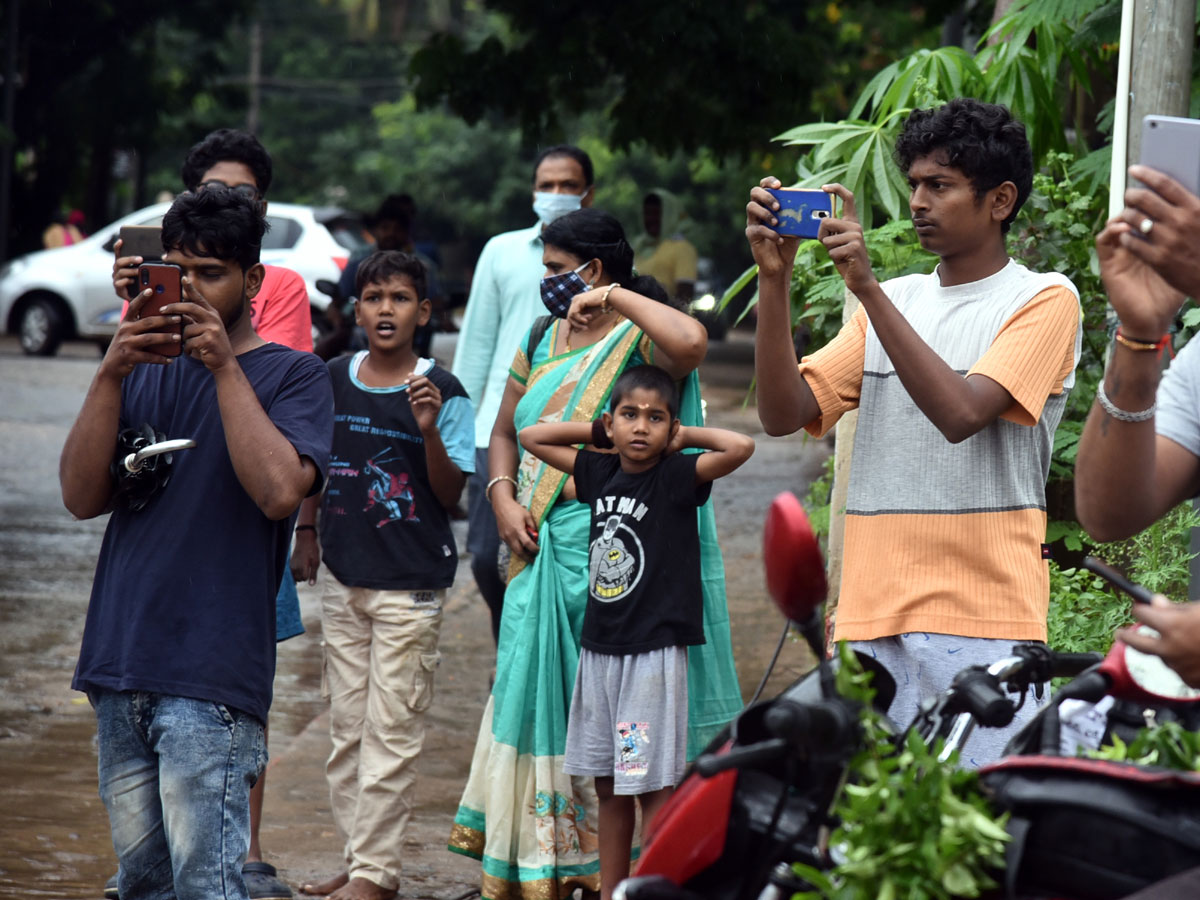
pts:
pixel 1068 665
pixel 711 764
pixel 979 693
pixel 828 724
pixel 1033 662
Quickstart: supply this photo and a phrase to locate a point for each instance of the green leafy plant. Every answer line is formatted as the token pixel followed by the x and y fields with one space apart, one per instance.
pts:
pixel 1168 745
pixel 816 500
pixel 911 826
pixel 1085 611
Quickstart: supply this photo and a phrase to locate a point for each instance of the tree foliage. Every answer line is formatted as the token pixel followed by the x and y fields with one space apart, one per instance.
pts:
pixel 675 75
pixel 96 78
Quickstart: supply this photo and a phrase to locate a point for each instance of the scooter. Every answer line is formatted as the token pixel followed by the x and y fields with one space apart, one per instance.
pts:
pixel 761 797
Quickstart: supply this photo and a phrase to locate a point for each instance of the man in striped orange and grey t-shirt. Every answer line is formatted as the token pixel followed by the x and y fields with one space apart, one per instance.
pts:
pixel 960 378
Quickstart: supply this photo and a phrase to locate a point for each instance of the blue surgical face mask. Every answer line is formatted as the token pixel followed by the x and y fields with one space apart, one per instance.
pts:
pixel 559 290
pixel 548 206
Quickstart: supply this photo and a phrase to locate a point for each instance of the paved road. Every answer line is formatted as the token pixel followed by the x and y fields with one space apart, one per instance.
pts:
pixel 54 834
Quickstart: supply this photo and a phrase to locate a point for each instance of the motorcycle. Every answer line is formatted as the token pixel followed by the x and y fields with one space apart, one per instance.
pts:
pixel 761 797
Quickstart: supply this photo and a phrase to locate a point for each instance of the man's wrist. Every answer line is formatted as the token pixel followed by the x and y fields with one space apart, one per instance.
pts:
pixel 775 278
pixel 869 291
pixel 1148 330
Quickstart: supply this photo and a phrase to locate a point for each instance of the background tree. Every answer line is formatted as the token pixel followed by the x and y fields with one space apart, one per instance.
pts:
pixel 101 85
pixel 674 75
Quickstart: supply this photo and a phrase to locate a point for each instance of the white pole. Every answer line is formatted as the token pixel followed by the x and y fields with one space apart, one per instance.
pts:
pixel 1120 141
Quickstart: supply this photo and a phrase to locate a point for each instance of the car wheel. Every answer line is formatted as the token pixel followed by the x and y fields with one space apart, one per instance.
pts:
pixel 42 326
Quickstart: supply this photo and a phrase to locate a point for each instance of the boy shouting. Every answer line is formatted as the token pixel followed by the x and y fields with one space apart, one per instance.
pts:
pixel 403 444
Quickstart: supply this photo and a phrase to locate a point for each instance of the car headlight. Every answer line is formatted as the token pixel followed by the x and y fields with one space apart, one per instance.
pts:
pixel 705 303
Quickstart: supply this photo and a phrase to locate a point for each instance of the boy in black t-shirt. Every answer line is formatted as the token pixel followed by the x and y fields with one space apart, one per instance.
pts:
pixel 628 723
pixel 403 439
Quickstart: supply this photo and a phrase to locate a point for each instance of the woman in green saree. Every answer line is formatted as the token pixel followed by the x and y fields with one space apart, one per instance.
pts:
pixel 532 826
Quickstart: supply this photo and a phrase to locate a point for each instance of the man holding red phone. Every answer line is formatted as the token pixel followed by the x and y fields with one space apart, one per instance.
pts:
pixel 279 312
pixel 178 651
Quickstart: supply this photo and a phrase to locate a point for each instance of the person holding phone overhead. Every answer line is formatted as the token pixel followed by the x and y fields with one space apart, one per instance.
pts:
pixel 178 651
pixel 1139 456
pixel 961 377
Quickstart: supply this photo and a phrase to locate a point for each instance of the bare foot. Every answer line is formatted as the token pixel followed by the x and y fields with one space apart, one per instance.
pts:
pixel 361 889
pixel 326 887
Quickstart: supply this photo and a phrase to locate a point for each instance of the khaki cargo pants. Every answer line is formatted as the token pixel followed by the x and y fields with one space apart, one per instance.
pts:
pixel 379 661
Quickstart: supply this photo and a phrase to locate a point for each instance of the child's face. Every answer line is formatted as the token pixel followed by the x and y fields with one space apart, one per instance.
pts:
pixel 390 311
pixel 640 428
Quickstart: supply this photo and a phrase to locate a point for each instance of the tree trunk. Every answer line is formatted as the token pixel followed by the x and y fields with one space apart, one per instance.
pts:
pixel 1161 79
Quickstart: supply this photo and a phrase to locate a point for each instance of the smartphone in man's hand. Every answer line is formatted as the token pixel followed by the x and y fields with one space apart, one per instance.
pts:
pixel 142 240
pixel 800 210
pixel 1172 146
pixel 165 282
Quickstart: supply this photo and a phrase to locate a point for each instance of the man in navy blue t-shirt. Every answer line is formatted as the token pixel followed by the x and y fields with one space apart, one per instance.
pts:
pixel 178 650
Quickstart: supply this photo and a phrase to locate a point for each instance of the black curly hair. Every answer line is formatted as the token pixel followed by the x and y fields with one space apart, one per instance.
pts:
pixel 982 140
pixel 227 145
pixel 216 222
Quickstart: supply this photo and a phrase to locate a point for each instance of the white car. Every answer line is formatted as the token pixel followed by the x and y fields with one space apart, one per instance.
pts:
pixel 54 295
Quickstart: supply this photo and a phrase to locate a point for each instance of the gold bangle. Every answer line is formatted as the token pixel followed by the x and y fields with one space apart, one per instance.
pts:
pixel 487 491
pixel 604 307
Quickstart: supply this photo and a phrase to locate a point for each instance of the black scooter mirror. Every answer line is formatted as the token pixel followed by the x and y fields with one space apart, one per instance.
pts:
pixel 794 567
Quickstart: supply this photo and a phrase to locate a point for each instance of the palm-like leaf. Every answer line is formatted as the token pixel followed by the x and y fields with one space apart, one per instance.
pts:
pixel 857 154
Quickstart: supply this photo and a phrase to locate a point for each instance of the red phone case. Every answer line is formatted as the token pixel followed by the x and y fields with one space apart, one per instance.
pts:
pixel 164 280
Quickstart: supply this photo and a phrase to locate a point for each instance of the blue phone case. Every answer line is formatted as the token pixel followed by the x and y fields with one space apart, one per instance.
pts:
pixel 801 210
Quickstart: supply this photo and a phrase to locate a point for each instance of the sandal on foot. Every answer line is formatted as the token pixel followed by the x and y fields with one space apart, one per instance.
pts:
pixel 262 882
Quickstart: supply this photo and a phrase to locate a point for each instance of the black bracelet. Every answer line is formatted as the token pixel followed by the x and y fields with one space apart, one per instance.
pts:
pixel 306 527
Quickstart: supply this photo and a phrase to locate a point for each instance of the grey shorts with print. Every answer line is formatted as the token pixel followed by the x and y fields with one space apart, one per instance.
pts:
pixel 629 718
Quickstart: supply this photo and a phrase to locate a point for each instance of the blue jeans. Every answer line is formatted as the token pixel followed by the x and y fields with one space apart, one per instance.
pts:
pixel 175 776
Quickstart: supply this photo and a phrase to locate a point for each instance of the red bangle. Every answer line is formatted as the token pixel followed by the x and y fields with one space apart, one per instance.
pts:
pixel 1134 344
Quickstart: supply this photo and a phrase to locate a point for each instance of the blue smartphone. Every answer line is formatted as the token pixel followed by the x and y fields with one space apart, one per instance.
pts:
pixel 801 210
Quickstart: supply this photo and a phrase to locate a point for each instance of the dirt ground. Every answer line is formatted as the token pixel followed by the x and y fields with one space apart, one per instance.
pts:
pixel 54 836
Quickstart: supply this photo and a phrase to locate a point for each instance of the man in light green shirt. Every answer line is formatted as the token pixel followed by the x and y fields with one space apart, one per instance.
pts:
pixel 504 300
